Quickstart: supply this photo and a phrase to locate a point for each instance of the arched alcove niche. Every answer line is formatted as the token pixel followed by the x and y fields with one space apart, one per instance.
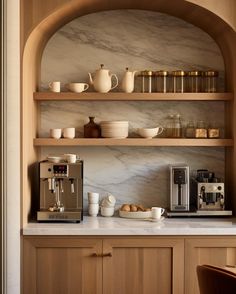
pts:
pixel 221 32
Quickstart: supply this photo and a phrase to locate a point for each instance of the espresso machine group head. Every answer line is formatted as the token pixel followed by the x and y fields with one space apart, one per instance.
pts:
pixel 61 191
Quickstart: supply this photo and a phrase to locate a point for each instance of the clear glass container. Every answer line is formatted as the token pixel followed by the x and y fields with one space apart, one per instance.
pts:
pixel 162 81
pixel 213 131
pixel 190 130
pixel 147 85
pixel 210 81
pixel 194 81
pixel 177 128
pixel 201 130
pixel 178 81
pixel 169 126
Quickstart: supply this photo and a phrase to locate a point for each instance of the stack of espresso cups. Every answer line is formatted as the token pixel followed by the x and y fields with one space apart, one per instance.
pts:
pixel 108 205
pixel 93 206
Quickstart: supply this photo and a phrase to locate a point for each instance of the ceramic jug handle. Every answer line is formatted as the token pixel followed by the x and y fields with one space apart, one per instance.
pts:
pixel 113 75
pixel 160 131
pixel 162 211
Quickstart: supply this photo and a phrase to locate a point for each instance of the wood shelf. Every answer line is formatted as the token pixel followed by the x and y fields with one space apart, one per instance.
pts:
pixel 119 96
pixel 133 142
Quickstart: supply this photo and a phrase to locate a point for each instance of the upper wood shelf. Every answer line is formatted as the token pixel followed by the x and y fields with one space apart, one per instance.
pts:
pixel 119 96
pixel 133 142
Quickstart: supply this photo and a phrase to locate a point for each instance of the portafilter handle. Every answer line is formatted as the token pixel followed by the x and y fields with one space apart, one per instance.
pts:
pixel 51 184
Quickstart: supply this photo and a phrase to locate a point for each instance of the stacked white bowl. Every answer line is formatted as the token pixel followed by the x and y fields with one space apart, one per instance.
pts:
pixel 93 200
pixel 115 129
pixel 108 205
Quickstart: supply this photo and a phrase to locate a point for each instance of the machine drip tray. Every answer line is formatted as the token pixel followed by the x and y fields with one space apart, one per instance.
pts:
pixel 199 213
pixel 53 216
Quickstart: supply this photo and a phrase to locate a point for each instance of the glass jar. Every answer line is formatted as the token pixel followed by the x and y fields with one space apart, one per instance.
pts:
pixel 179 81
pixel 190 130
pixel 201 130
pixel 162 81
pixel 210 80
pixel 169 126
pixel 194 81
pixel 177 128
pixel 213 131
pixel 146 77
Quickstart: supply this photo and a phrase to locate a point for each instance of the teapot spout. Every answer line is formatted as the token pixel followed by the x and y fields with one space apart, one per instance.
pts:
pixel 90 79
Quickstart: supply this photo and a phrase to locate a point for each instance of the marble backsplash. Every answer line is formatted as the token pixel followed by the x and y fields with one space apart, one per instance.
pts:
pixel 139 40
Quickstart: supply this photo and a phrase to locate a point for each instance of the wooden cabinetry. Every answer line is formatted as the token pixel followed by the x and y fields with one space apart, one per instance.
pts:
pixel 61 265
pixel 108 266
pixel 214 251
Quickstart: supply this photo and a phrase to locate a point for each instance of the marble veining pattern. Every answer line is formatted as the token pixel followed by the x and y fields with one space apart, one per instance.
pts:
pixel 139 40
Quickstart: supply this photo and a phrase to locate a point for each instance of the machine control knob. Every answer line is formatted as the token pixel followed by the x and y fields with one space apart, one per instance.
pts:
pixel 219 188
pixel 49 169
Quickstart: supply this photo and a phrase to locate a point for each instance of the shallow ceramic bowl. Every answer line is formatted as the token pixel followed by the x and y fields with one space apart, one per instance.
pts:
pixel 149 133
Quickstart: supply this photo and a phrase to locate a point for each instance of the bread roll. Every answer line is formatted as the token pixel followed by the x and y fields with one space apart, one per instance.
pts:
pixel 133 208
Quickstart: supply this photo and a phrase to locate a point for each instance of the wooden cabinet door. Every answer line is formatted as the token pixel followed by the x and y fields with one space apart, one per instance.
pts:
pixel 143 266
pixel 61 265
pixel 219 251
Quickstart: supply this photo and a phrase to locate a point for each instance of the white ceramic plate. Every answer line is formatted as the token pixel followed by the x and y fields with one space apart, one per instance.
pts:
pixel 137 215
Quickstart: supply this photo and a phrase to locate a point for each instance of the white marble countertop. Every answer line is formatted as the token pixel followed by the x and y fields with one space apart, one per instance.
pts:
pixel 113 226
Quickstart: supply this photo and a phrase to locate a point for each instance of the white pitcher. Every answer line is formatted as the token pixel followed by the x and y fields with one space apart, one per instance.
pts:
pixel 102 80
pixel 127 84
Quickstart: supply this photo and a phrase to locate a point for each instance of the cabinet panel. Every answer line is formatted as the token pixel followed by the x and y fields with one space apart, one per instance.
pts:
pixel 59 265
pixel 214 251
pixel 143 266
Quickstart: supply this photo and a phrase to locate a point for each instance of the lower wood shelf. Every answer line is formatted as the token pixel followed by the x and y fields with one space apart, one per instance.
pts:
pixel 133 142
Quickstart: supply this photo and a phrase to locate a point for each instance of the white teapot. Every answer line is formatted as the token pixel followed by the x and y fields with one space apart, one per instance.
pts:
pixel 127 84
pixel 102 80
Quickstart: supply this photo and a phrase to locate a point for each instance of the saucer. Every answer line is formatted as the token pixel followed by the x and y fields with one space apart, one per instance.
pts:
pixel 156 220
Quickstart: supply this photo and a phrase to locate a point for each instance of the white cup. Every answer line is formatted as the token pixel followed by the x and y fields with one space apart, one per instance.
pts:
pixel 93 209
pixel 77 87
pixel 93 198
pixel 69 133
pixel 107 211
pixel 157 212
pixel 55 86
pixel 70 158
pixel 55 133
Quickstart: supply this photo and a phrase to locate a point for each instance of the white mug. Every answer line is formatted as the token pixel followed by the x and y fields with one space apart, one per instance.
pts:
pixel 157 212
pixel 93 209
pixel 93 198
pixel 77 87
pixel 69 133
pixel 55 86
pixel 55 133
pixel 70 158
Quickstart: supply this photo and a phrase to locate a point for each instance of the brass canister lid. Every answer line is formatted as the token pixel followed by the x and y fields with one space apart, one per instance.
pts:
pixel 145 73
pixel 162 73
pixel 179 73
pixel 194 73
pixel 210 73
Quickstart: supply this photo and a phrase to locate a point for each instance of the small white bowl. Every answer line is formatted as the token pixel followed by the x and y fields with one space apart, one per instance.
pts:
pixel 55 159
pixel 107 211
pixel 149 133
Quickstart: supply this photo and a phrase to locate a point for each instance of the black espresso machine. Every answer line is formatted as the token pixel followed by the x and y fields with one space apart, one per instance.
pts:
pixel 202 194
pixel 61 191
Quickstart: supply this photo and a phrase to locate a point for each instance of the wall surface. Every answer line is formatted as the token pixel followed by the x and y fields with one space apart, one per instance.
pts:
pixel 139 40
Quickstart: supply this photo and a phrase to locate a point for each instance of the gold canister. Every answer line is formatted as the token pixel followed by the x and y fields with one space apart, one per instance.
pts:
pixel 194 81
pixel 146 81
pixel 162 81
pixel 179 81
pixel 209 81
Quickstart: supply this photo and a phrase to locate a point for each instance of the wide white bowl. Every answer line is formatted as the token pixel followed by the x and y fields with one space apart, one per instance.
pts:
pixel 150 132
pixel 115 129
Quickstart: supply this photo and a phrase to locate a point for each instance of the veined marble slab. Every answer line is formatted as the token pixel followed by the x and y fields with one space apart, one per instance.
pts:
pixel 105 226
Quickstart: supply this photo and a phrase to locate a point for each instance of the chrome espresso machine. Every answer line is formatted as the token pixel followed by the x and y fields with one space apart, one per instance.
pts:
pixel 202 194
pixel 61 192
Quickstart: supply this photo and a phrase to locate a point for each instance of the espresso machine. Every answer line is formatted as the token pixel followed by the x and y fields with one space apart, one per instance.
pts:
pixel 61 191
pixel 179 187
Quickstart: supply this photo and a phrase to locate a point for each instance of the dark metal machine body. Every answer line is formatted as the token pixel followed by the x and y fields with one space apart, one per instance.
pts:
pixel 61 192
